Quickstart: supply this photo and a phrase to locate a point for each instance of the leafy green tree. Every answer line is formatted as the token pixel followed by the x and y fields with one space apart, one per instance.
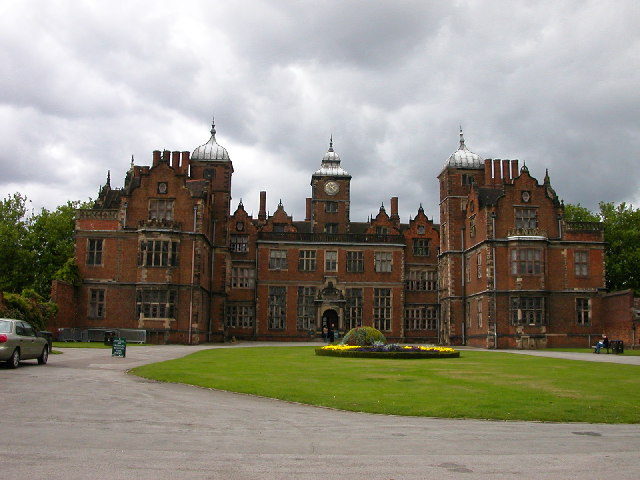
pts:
pixel 578 213
pixel 622 254
pixel 51 239
pixel 16 260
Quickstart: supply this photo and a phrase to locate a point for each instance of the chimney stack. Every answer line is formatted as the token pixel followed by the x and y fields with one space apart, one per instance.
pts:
pixel 505 171
pixel 262 214
pixel 395 218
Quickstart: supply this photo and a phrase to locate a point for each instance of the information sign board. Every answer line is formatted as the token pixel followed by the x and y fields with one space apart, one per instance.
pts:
pixel 119 348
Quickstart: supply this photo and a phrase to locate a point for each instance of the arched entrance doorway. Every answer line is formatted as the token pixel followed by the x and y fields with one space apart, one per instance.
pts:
pixel 331 322
pixel 330 318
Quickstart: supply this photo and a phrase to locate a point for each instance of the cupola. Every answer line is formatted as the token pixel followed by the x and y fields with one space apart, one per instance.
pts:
pixel 464 158
pixel 211 151
pixel 331 163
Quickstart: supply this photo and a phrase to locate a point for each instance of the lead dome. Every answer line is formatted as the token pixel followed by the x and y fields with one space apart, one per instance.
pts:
pixel 211 151
pixel 331 163
pixel 464 158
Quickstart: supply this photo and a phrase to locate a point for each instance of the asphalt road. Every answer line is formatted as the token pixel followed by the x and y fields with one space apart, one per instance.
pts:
pixel 82 417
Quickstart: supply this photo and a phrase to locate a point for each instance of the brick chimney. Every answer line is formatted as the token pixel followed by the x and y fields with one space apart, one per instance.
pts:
pixel 262 213
pixel 185 163
pixel 395 218
pixel 175 160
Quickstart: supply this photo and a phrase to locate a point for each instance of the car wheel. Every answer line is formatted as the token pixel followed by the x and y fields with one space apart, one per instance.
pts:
pixel 44 356
pixel 14 361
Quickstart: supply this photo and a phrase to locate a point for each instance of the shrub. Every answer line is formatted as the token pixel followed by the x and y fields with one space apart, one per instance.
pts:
pixel 28 306
pixel 363 336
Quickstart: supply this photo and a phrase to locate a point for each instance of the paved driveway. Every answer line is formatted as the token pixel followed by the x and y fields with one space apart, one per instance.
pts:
pixel 82 417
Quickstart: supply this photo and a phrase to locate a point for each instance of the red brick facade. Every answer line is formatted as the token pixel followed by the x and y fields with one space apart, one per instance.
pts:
pixel 502 270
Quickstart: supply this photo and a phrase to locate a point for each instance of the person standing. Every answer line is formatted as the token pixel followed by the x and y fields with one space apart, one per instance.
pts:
pixel 332 333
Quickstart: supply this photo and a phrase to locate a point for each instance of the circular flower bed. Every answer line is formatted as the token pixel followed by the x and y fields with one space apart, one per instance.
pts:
pixel 387 351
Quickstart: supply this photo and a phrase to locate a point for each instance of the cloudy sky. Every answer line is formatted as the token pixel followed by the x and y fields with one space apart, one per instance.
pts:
pixel 85 85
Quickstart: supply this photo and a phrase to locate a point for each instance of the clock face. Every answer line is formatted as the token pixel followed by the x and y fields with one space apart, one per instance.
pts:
pixel 526 196
pixel 331 188
pixel 162 187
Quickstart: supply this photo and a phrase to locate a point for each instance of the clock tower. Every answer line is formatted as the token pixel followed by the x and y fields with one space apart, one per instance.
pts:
pixel 330 195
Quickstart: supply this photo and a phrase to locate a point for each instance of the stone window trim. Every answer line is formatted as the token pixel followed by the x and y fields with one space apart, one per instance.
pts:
pixel 331 261
pixel 278 259
pixel 239 243
pixel 382 309
pixel 421 280
pixel 353 308
pixel 421 317
pixel 158 253
pixel 240 315
pixel 527 310
pixel 383 262
pixel 583 311
pixel 156 303
pixel 581 263
pixel 243 277
pixel 307 261
pixel 527 261
pixel 355 261
pixel 306 310
pixel 331 207
pixel 97 303
pixel 161 209
pixel 421 247
pixel 277 308
pixel 95 251
pixel 526 218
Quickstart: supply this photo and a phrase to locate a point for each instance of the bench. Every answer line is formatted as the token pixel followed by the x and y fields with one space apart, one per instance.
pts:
pixel 614 346
pixel 607 348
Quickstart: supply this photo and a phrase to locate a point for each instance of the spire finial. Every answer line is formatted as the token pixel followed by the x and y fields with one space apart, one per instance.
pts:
pixel 108 178
pixel 132 161
pixel 462 145
pixel 213 126
pixel 331 143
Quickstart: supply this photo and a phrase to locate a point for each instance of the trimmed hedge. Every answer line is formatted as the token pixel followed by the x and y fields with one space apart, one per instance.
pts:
pixel 363 336
pixel 388 355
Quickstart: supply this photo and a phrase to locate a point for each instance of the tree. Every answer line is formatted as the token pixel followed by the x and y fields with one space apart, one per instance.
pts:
pixel 51 239
pixel 622 253
pixel 578 213
pixel 33 248
pixel 16 260
pixel 622 236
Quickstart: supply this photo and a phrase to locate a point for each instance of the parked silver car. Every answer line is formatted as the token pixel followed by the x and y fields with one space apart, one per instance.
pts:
pixel 19 341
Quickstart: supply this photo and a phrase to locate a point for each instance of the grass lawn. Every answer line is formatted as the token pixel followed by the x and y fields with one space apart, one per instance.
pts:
pixel 477 385
pixel 590 350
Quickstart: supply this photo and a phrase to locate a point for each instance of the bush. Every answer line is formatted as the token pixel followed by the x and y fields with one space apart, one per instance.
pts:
pixel 30 307
pixel 363 336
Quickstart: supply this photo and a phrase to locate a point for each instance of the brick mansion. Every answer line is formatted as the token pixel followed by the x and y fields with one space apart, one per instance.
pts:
pixel 168 253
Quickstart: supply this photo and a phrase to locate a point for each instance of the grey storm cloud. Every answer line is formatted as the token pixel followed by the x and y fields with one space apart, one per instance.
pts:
pixel 84 86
